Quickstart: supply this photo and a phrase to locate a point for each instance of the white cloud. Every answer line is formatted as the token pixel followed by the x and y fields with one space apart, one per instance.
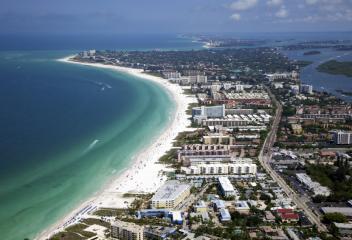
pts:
pixel 344 16
pixel 274 2
pixel 308 12
pixel 282 13
pixel 236 17
pixel 241 5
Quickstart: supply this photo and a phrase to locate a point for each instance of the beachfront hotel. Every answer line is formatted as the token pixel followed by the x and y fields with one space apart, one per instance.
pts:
pixel 209 111
pixel 233 169
pixel 126 231
pixel 170 194
pixel 219 165
pixel 204 150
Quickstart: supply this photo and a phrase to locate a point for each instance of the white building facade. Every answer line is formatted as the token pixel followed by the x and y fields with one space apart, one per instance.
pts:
pixel 170 194
pixel 343 138
pixel 227 188
pixel 126 231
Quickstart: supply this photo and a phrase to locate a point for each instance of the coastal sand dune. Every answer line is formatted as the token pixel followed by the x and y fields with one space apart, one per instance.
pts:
pixel 145 174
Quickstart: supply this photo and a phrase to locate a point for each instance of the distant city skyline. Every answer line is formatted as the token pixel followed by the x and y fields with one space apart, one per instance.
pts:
pixel 163 16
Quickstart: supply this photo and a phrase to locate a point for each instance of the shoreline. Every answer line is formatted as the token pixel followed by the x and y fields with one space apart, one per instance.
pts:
pixel 144 174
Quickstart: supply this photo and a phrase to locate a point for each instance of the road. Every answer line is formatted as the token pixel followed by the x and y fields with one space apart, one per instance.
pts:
pixel 191 199
pixel 188 202
pixel 264 159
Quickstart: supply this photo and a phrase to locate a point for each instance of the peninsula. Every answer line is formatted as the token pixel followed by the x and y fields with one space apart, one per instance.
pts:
pixel 336 67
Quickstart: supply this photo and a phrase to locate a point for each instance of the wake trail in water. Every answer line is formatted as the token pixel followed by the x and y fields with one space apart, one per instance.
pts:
pixel 92 145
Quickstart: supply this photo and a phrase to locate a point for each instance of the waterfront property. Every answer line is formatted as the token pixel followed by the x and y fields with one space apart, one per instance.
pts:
pixel 218 138
pixel 158 232
pixel 219 165
pixel 204 150
pixel 234 170
pixel 282 76
pixel 126 231
pixel 187 80
pixel 306 89
pixel 235 121
pixel 205 112
pixel 170 194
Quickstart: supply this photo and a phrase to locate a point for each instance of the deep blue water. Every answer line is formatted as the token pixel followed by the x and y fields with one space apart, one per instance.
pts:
pixel 99 42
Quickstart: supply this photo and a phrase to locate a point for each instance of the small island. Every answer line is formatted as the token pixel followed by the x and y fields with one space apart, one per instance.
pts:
pixel 347 93
pixel 336 67
pixel 302 63
pixel 314 52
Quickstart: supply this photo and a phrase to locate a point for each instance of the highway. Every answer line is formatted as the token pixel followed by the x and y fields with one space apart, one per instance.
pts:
pixel 265 157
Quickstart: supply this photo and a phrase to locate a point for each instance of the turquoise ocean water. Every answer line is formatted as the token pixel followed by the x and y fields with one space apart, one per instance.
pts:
pixel 67 129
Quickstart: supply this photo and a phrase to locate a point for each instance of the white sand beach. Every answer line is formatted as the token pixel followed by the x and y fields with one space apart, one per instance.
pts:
pixel 145 174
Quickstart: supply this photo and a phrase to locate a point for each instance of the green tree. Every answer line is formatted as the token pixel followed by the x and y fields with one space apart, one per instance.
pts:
pixel 334 217
pixel 319 199
pixel 266 198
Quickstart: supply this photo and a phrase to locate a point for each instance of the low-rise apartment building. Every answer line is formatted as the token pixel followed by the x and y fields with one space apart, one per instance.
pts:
pixel 227 188
pixel 171 194
pixel 126 231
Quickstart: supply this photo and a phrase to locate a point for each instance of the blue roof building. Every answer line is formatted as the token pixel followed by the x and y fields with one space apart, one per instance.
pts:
pixel 218 204
pixel 225 215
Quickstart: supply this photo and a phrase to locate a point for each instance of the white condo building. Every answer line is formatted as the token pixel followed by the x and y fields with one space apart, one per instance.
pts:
pixel 343 138
pixel 187 80
pixel 305 88
pixel 204 112
pixel 197 79
pixel 126 231
pixel 285 75
pixel 220 166
pixel 236 120
pixel 170 194
pixel 222 169
pixel 172 75
pixel 227 188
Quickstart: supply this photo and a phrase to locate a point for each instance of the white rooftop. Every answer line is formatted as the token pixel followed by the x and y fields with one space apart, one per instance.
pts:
pixel 170 190
pixel 343 225
pixel 226 184
pixel 347 211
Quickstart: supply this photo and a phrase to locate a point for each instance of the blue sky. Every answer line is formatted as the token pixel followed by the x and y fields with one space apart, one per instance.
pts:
pixel 162 16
